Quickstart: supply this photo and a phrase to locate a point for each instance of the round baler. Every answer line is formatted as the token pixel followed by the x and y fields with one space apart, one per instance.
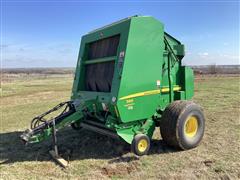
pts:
pixel 129 80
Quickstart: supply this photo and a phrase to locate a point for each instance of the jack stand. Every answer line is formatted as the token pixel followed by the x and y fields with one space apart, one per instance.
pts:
pixel 54 153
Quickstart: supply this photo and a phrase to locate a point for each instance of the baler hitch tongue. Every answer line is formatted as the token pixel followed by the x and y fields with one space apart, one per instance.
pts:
pixel 41 126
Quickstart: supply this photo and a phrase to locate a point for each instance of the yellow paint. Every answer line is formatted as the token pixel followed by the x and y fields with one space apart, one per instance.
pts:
pixel 132 104
pixel 140 94
pixel 130 107
pixel 146 93
pixel 163 90
pixel 129 100
pixel 191 126
pixel 142 145
pixel 116 111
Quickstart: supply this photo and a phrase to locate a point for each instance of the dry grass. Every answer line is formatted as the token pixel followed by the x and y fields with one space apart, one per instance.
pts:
pixel 94 156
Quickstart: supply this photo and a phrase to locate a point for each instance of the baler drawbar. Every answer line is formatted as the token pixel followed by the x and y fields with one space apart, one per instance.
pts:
pixel 41 127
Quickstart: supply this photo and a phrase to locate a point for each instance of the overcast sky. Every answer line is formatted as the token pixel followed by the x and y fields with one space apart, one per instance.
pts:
pixel 47 34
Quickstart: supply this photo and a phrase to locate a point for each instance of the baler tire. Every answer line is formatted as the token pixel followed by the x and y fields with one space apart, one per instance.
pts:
pixel 76 126
pixel 140 144
pixel 182 125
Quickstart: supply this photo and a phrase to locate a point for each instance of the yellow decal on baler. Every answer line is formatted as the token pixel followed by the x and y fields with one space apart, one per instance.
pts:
pixel 177 88
pixel 132 104
pixel 129 100
pixel 151 92
pixel 129 104
pixel 116 111
pixel 145 93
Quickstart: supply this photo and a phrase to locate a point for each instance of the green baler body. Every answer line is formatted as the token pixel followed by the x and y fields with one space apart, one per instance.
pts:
pixel 127 73
pixel 141 84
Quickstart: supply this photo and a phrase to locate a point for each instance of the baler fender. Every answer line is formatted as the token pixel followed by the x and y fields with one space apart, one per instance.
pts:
pixel 128 133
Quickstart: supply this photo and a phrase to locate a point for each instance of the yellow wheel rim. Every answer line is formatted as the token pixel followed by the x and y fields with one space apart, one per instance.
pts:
pixel 142 145
pixel 191 126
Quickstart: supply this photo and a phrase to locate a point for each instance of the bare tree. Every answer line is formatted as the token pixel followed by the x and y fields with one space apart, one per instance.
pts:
pixel 212 69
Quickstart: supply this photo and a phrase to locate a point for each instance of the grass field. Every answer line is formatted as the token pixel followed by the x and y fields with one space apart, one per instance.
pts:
pixel 93 156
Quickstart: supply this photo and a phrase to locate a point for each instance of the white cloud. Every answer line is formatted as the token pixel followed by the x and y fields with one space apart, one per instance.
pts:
pixel 203 54
pixel 43 55
pixel 229 56
pixel 205 58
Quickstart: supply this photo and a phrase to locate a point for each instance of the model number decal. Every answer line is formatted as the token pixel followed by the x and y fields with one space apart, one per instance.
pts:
pixel 129 104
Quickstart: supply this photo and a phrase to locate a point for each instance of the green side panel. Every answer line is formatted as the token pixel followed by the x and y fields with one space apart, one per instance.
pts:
pixel 188 82
pixel 126 134
pixel 142 69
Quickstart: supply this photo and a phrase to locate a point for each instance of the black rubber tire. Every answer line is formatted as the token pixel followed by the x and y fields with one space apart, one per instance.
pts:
pixel 173 121
pixel 76 126
pixel 135 142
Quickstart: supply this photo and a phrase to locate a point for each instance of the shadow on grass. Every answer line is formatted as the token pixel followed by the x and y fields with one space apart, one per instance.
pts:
pixel 73 145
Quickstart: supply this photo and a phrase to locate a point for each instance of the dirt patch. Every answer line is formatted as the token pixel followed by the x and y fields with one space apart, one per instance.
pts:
pixel 208 163
pixel 121 169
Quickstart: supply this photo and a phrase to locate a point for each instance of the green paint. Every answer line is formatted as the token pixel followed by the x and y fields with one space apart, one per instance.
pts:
pixel 127 134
